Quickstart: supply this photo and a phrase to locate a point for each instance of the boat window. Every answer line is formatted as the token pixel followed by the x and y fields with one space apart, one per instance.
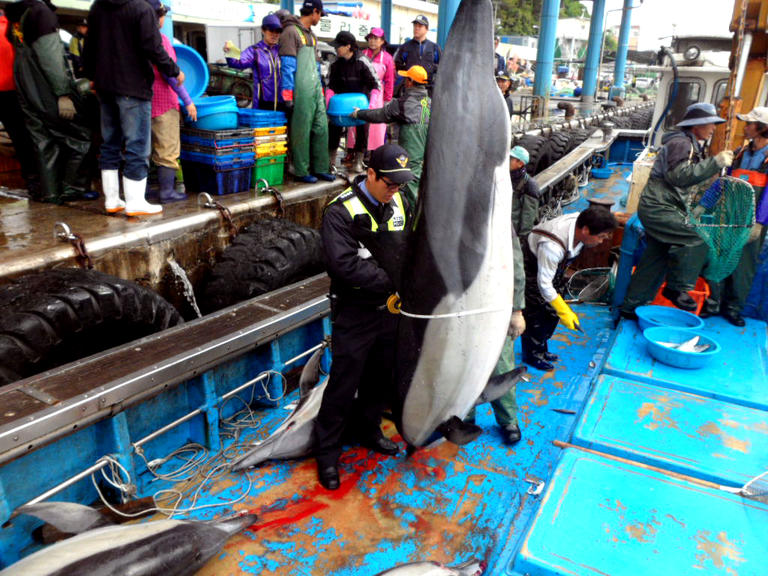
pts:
pixel 690 91
pixel 719 92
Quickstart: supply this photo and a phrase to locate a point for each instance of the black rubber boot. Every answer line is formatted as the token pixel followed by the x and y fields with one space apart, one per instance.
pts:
pixel 167 179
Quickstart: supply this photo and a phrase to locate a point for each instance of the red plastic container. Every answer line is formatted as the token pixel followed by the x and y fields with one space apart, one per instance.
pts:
pixel 699 293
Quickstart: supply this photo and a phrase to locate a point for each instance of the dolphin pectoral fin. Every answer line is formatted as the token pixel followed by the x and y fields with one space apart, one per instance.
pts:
pixel 499 385
pixel 66 517
pixel 458 432
pixel 234 524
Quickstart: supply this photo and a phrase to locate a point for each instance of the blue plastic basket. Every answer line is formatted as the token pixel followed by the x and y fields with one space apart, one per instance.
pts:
pixel 255 118
pixel 215 180
pixel 196 76
pixel 223 161
pixel 652 315
pixel 341 106
pixel 217 138
pixel 679 358
pixel 215 113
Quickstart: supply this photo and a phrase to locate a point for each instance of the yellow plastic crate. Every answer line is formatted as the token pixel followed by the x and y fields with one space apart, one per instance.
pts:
pixel 270 130
pixel 271 149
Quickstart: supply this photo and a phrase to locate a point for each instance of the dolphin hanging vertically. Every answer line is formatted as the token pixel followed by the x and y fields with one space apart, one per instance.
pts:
pixel 457 279
pixel 159 548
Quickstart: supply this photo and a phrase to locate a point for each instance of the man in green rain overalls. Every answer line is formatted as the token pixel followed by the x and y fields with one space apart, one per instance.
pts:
pixel 53 108
pixel 303 94
pixel 675 250
pixel 411 112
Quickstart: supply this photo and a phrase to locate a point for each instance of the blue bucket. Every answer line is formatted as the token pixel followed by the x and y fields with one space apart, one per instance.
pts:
pixel 341 106
pixel 195 70
pixel 215 113
pixel 679 358
pixel 652 315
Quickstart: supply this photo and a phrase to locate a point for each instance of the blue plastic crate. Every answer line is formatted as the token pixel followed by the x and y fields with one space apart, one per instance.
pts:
pixel 217 138
pixel 260 118
pixel 215 180
pixel 223 161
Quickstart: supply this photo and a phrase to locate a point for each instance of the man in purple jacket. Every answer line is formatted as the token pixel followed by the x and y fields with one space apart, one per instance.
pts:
pixel 265 61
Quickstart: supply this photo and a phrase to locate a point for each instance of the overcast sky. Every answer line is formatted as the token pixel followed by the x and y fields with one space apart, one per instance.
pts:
pixel 656 17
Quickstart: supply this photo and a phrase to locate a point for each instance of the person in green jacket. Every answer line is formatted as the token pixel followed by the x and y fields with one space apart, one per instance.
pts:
pixel 52 104
pixel 302 93
pixel 411 111
pixel 527 196
pixel 674 248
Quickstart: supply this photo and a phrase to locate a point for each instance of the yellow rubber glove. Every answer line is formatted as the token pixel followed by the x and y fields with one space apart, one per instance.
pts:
pixel 231 50
pixel 567 316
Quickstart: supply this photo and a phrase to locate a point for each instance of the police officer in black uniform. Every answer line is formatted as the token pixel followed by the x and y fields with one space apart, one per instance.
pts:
pixel 363 341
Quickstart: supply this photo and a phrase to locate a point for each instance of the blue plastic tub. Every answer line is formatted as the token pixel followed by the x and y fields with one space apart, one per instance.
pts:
pixel 601 173
pixel 679 358
pixel 195 70
pixel 341 106
pixel 215 113
pixel 652 315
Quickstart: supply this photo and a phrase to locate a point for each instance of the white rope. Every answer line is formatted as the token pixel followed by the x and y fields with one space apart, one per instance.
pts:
pixel 459 314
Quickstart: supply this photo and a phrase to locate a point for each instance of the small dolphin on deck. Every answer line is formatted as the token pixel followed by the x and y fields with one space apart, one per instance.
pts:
pixel 457 278
pixel 293 439
pixel 157 548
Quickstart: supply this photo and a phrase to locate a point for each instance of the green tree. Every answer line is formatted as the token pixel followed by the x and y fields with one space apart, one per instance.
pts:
pixel 611 42
pixel 522 17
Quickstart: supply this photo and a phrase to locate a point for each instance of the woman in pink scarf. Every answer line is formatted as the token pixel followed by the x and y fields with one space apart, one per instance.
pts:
pixel 385 69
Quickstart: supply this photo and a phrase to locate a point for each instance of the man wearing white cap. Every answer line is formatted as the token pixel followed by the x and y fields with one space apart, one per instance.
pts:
pixel 674 247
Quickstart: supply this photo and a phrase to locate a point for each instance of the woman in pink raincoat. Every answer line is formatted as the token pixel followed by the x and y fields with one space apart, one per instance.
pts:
pixel 385 69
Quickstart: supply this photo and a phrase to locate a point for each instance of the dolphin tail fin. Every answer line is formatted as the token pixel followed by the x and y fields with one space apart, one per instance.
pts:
pixel 67 517
pixel 458 432
pixel 499 385
pixel 310 374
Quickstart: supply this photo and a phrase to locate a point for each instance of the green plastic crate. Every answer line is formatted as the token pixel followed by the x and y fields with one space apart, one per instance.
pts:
pixel 270 168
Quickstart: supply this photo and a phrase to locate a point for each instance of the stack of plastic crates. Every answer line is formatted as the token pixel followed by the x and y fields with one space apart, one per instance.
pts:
pixel 270 140
pixel 217 161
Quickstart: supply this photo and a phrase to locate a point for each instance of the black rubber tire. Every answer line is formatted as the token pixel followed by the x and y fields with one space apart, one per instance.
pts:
pixel 58 316
pixel 558 145
pixel 265 256
pixel 537 152
pixel 578 136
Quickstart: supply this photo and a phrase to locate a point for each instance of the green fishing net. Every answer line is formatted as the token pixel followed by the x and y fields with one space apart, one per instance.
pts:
pixel 723 215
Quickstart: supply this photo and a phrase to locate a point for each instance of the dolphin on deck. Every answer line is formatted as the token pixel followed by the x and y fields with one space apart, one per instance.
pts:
pixel 157 548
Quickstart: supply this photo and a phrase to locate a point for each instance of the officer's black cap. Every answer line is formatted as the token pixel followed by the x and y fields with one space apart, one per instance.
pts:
pixel 391 161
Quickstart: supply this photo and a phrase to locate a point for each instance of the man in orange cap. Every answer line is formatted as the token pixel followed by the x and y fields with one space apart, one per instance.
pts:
pixel 411 111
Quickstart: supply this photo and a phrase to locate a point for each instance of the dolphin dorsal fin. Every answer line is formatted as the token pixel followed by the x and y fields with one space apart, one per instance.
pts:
pixel 66 516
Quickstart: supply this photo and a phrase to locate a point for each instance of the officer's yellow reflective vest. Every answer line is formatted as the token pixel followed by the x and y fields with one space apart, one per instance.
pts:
pixel 355 207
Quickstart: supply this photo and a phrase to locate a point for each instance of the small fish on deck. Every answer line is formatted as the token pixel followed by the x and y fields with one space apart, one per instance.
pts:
pixel 691 345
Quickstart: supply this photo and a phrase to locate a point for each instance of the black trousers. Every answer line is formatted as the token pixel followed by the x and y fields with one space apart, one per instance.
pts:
pixel 12 118
pixel 540 318
pixel 361 137
pixel 363 345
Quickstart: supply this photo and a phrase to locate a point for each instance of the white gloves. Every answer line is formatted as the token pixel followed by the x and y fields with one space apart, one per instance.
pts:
pixel 516 324
pixel 724 158
pixel 66 108
pixel 754 234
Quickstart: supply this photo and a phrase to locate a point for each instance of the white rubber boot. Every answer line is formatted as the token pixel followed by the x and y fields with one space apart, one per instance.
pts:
pixel 135 203
pixel 358 164
pixel 110 184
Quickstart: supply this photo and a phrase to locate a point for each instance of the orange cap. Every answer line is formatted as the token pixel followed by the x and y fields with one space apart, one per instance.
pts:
pixel 415 73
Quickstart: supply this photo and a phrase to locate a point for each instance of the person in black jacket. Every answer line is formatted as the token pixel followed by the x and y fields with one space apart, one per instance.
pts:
pixel 351 72
pixel 53 106
pixel 363 336
pixel 419 51
pixel 122 45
